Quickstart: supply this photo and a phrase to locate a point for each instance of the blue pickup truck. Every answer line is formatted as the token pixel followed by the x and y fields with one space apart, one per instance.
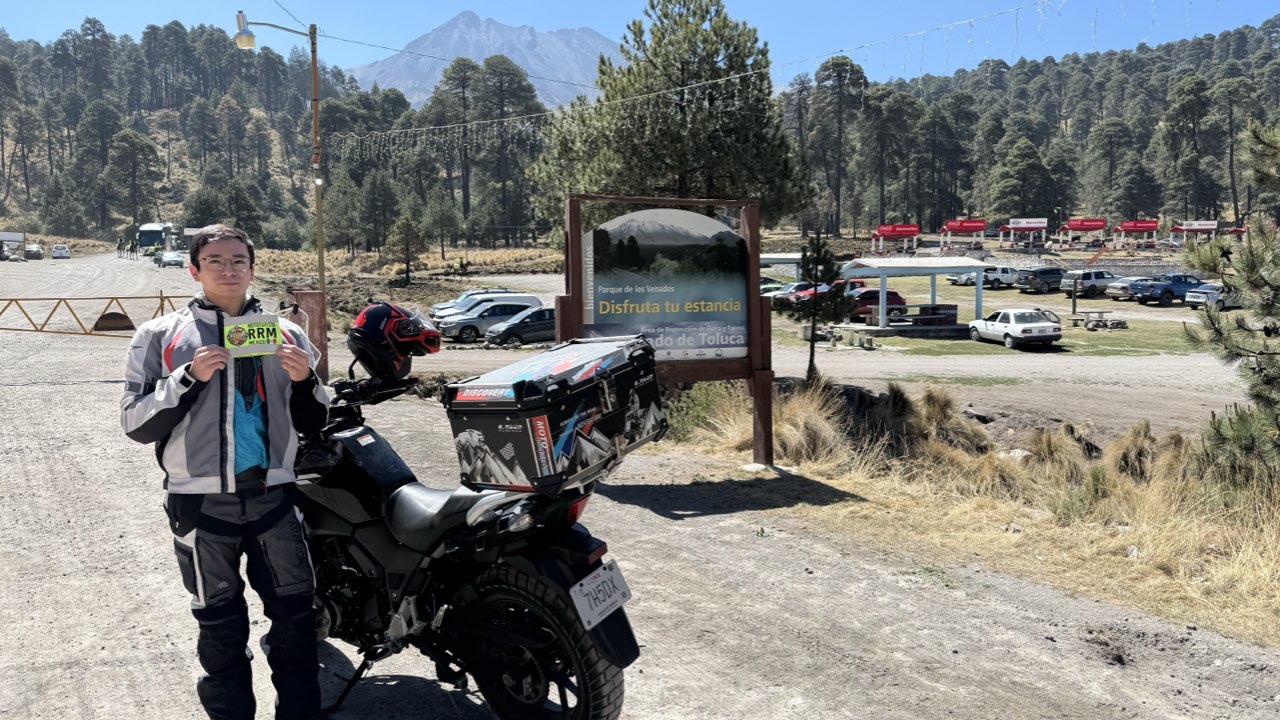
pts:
pixel 1164 289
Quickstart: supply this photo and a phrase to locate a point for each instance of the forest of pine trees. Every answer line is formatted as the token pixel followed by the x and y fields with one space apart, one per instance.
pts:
pixel 100 132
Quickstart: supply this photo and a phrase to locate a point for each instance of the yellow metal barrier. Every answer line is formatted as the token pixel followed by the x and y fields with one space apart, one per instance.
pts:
pixel 107 323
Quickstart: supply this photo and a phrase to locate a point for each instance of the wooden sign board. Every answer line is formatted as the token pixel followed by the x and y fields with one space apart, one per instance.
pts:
pixel 687 282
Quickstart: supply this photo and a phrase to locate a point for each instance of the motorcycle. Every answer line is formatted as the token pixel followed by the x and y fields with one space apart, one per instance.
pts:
pixel 505 587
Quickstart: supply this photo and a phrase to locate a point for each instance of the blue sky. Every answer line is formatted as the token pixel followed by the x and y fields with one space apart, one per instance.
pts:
pixel 799 32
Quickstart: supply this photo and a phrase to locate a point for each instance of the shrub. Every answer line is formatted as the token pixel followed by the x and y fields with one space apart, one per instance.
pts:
pixel 809 422
pixel 693 409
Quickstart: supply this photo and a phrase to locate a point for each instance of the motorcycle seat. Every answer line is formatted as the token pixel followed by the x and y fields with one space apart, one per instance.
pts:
pixel 418 515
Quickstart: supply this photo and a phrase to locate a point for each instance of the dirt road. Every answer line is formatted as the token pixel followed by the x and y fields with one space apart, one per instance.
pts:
pixel 743 611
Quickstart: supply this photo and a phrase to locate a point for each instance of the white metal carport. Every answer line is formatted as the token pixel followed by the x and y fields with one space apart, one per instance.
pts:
pixel 782 259
pixel 885 268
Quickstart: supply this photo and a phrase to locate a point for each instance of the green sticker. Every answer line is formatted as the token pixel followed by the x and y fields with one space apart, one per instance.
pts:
pixel 251 335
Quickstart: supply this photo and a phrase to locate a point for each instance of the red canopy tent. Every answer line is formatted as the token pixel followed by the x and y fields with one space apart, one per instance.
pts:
pixel 894 232
pixel 1136 227
pixel 974 228
pixel 968 226
pixel 1195 226
pixel 1084 225
pixel 1026 225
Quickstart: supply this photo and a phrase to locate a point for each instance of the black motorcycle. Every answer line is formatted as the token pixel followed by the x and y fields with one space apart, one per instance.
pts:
pixel 506 587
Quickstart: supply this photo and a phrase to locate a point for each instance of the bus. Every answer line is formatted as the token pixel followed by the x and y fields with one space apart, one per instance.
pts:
pixel 154 237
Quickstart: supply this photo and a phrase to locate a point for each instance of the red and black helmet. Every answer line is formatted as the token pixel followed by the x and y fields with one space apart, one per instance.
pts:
pixel 385 337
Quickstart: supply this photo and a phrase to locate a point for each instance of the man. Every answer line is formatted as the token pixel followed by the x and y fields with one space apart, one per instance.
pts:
pixel 226 434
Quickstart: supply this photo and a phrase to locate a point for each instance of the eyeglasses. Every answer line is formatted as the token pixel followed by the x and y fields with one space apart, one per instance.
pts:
pixel 217 264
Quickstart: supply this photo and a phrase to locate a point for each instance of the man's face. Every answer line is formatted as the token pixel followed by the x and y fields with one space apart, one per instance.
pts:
pixel 228 285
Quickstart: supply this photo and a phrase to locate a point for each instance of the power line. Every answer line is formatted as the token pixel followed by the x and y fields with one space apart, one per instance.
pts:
pixel 290 14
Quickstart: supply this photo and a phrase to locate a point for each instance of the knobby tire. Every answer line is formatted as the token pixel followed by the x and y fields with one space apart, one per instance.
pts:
pixel 522 598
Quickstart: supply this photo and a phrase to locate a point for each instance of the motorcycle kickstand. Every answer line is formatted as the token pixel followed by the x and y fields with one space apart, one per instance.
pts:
pixel 351 684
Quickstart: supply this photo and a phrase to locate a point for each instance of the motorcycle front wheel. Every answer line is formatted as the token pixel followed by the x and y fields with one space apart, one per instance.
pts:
pixel 538 661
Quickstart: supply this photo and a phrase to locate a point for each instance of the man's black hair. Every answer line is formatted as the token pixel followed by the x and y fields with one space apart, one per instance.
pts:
pixel 209 233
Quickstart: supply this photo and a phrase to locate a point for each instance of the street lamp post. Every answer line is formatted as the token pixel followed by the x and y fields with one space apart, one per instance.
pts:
pixel 245 40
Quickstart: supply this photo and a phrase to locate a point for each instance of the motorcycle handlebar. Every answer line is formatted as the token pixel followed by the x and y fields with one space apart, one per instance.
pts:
pixel 369 391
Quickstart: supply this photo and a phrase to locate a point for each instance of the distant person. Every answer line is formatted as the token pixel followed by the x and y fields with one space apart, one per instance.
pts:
pixel 226 433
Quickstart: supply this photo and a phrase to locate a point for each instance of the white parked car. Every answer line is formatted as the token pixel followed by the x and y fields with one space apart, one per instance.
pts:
pixel 1212 294
pixel 60 252
pixel 1020 326
pixel 787 289
pixel 992 277
pixel 1118 289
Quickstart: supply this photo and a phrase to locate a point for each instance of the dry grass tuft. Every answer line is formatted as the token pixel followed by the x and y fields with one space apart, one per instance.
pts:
pixel 941 421
pixel 1133 455
pixel 1055 457
pixel 809 427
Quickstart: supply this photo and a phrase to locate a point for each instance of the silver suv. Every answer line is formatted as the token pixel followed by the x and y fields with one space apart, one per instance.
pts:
pixel 468 327
pixel 1091 283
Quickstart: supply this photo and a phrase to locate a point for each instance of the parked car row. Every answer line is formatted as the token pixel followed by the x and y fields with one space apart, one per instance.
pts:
pixel 33 251
pixel 500 316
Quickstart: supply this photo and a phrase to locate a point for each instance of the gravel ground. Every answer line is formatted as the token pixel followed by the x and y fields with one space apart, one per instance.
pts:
pixel 741 609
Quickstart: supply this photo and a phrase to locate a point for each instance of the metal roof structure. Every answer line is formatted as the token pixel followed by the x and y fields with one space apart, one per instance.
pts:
pixel 869 267
pixel 779 258
pixel 887 267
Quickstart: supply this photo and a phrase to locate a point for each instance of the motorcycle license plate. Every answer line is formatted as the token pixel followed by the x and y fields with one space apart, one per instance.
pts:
pixel 600 593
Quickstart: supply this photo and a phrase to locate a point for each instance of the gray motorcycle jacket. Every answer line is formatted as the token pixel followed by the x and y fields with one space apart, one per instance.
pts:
pixel 191 421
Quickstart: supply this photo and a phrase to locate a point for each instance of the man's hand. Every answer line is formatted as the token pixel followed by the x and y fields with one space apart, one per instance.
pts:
pixel 208 360
pixel 295 361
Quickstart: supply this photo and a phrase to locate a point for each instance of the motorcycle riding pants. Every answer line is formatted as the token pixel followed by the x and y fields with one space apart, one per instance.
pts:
pixel 211 533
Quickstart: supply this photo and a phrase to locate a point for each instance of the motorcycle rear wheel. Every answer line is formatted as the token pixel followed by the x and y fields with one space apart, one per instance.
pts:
pixel 564 676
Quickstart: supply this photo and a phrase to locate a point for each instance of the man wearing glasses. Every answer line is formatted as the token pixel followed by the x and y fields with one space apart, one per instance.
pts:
pixel 226 434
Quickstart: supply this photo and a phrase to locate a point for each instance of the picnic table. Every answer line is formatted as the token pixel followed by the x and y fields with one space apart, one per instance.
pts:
pixel 1084 316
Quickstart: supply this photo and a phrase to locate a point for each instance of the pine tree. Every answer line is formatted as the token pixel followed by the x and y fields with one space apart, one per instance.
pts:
pixel 1020 185
pixel 407 238
pixel 133 169
pixel 839 95
pixel 818 267
pixel 1238 449
pixel 708 128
